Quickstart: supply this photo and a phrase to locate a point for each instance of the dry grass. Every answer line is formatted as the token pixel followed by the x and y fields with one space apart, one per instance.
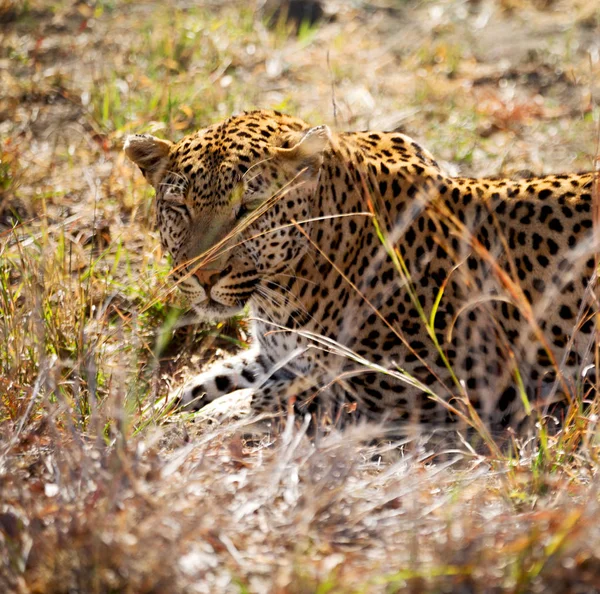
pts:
pixel 285 514
pixel 100 494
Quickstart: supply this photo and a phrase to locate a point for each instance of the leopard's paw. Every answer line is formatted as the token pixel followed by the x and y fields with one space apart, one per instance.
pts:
pixel 235 405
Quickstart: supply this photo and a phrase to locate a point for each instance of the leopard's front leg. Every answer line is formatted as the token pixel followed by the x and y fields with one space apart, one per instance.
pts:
pixel 241 385
pixel 244 371
pixel 271 398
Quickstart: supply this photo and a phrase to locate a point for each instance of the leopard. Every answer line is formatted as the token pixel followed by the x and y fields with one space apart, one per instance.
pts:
pixel 378 285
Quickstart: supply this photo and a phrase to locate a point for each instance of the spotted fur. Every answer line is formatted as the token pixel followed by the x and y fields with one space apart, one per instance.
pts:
pixel 343 245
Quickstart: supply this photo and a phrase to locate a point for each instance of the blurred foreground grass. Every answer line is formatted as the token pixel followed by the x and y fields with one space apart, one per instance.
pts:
pixel 98 492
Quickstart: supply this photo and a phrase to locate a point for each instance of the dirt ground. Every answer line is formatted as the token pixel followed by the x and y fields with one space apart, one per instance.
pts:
pixel 98 491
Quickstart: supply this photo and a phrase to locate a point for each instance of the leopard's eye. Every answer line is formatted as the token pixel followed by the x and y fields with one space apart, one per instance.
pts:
pixel 250 204
pixel 241 212
pixel 175 201
pixel 174 197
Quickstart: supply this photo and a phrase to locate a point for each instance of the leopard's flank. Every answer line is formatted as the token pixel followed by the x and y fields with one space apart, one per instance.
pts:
pixel 378 285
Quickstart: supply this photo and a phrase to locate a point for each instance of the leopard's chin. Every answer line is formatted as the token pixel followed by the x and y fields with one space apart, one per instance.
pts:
pixel 210 310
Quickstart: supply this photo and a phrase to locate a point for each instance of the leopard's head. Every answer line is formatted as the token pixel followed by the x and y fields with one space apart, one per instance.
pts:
pixel 232 202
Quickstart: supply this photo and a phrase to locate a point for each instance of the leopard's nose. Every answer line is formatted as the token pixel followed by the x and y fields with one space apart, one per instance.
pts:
pixel 207 277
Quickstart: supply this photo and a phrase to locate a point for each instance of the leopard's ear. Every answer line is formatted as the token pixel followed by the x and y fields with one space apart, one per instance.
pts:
pixel 306 151
pixel 148 153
